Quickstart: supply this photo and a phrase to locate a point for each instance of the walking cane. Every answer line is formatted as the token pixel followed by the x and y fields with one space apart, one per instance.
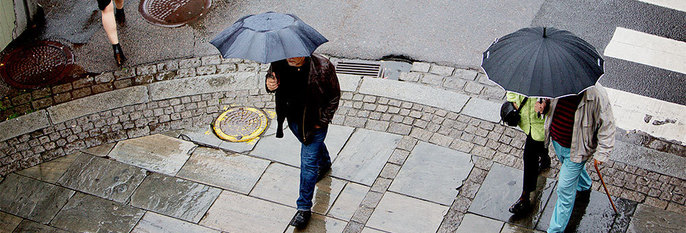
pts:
pixel 595 164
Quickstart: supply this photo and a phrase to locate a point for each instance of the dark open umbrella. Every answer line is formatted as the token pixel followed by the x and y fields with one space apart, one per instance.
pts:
pixel 268 37
pixel 542 62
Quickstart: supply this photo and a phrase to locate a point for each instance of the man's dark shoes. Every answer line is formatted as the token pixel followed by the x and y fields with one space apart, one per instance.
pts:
pixel 521 206
pixel 583 196
pixel 301 218
pixel 119 16
pixel 119 57
pixel 323 170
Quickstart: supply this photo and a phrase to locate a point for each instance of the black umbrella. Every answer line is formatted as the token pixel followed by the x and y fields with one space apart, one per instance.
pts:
pixel 542 62
pixel 268 37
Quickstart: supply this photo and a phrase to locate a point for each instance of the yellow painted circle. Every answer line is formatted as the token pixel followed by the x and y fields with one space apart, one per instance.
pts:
pixel 240 124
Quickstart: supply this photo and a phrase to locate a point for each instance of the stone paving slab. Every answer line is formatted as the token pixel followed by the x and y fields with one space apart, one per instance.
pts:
pixel 8 222
pixel 31 226
pixel 319 223
pixel 347 202
pixel 98 103
pixel 32 199
pixel 156 153
pixel 281 184
pixel 87 213
pixel 398 213
pixel 101 150
pixel 287 149
pixel 229 171
pixel 595 215
pixel 203 136
pixel 234 212
pixel 501 188
pixel 365 154
pixel 433 173
pixel 174 197
pixel 156 223
pixel 474 223
pixel 413 92
pixel 483 109
pixel 24 124
pixel 203 84
pixel 651 219
pixel 649 159
pixel 101 177
pixel 50 171
pixel 349 82
pixel 370 230
pixel 510 228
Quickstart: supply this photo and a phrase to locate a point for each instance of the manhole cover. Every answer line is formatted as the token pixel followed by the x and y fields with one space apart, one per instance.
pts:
pixel 173 13
pixel 240 124
pixel 37 64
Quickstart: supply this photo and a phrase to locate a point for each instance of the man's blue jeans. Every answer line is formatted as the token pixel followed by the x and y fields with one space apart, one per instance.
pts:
pixel 572 178
pixel 312 156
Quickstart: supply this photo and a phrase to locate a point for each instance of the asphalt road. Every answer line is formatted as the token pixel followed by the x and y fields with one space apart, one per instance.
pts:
pixel 450 32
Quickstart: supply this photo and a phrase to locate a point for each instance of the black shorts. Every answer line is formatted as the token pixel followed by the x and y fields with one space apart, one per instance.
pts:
pixel 103 3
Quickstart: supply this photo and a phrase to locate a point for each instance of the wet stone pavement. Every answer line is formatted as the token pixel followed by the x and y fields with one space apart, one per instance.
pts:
pixel 434 161
pixel 187 181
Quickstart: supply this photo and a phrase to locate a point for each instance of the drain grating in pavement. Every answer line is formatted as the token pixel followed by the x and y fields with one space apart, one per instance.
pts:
pixel 37 64
pixel 240 124
pixel 361 68
pixel 173 13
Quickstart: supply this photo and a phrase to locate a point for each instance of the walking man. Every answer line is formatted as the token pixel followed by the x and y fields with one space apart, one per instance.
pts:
pixel 581 127
pixel 307 95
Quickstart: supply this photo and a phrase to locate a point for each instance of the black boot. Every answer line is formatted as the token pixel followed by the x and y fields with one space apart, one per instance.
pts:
pixel 301 218
pixel 523 205
pixel 119 16
pixel 119 57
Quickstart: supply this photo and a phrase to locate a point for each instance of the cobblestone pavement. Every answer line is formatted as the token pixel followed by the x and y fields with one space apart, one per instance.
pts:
pixel 131 150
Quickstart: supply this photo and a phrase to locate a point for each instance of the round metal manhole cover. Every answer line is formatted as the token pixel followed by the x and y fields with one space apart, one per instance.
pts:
pixel 37 64
pixel 173 13
pixel 240 124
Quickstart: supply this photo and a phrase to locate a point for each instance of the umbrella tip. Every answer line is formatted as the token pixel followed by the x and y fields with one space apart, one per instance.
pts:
pixel 544 35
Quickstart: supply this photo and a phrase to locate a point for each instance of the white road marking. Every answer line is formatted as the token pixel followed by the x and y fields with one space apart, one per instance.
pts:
pixel 655 117
pixel 672 4
pixel 647 49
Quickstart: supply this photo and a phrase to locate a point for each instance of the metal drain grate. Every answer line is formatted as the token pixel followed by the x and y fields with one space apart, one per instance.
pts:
pixel 359 68
pixel 240 124
pixel 173 13
pixel 37 64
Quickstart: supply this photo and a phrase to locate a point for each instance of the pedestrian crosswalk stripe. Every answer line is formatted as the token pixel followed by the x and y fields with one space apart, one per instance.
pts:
pixel 672 4
pixel 656 117
pixel 647 49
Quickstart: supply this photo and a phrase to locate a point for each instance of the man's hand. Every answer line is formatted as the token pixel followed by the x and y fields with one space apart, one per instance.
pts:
pixel 272 83
pixel 317 126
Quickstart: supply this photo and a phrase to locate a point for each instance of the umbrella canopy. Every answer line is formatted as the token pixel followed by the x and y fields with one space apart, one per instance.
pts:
pixel 542 62
pixel 268 37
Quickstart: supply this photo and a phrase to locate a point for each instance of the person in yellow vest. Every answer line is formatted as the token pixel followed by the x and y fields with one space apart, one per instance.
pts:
pixel 535 156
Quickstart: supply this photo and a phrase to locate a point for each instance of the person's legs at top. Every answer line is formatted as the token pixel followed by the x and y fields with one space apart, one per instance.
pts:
pixel 568 181
pixel 110 26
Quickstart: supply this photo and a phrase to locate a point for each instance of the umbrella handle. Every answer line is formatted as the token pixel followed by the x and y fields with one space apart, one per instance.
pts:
pixel 595 164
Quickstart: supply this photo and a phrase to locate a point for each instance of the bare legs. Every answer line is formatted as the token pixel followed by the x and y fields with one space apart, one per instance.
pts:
pixel 109 23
